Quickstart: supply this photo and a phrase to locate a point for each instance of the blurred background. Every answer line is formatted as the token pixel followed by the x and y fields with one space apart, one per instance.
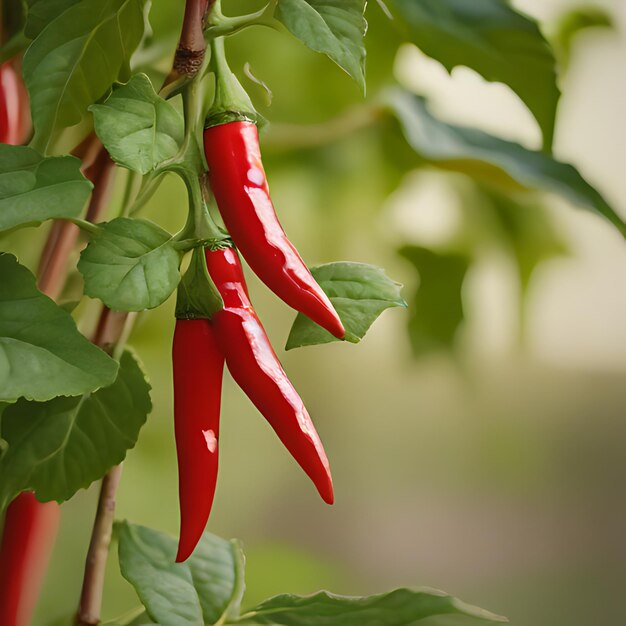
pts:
pixel 476 440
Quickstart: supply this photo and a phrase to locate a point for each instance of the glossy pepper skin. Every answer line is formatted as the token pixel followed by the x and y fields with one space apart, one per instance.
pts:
pixel 198 366
pixel 30 527
pixel 255 367
pixel 240 187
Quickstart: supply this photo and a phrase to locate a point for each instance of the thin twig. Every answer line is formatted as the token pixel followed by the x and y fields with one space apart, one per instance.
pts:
pixel 63 235
pixel 95 567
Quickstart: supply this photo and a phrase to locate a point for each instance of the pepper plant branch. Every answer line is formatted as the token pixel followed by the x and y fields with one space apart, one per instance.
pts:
pixel 95 567
pixel 191 47
pixel 111 333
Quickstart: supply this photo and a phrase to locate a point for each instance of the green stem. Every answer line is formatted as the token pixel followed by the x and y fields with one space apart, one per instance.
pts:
pixel 92 229
pixel 222 26
pixel 200 224
pixel 231 101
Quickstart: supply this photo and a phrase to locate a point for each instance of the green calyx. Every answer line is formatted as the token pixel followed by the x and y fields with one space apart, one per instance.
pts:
pixel 231 102
pixel 197 297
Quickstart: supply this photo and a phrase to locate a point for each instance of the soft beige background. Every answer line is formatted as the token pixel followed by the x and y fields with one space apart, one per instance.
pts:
pixel 499 477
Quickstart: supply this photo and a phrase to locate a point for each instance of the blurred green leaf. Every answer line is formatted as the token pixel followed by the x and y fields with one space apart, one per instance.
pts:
pixel 402 607
pixel 139 129
pixel 333 27
pixel 495 40
pixel 42 354
pixel 491 159
pixel 130 265
pixel 359 293
pixel 35 188
pixel 75 60
pixel 63 445
pixel 527 229
pixel 575 21
pixel 205 589
pixel 436 309
pixel 42 12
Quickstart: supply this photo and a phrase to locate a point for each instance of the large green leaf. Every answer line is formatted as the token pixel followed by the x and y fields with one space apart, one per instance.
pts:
pixel 35 188
pixel 75 60
pixel 333 27
pixel 204 589
pixel 130 264
pixel 493 39
pixel 437 305
pixel 402 607
pixel 139 129
pixel 63 445
pixel 42 354
pixel 490 158
pixel 527 229
pixel 42 12
pixel 359 293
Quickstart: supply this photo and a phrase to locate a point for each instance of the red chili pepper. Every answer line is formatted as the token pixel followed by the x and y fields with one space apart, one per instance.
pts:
pixel 240 188
pixel 12 96
pixel 198 367
pixel 30 527
pixel 255 367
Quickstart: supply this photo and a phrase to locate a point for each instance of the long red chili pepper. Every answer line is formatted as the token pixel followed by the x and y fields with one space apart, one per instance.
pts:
pixel 198 366
pixel 30 527
pixel 240 188
pixel 255 367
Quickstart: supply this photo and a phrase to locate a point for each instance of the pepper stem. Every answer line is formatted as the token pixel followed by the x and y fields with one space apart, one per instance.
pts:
pixel 200 225
pixel 231 102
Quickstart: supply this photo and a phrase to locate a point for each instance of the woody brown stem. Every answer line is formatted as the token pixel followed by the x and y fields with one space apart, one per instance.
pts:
pixel 63 235
pixel 191 45
pixel 95 567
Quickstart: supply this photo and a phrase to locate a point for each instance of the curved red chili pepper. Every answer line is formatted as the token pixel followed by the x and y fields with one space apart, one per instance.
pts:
pixel 240 188
pixel 30 527
pixel 255 367
pixel 198 366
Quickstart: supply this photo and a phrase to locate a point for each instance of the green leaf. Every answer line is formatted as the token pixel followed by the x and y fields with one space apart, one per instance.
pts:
pixel 334 27
pixel 359 293
pixel 42 354
pixel 493 39
pixel 42 12
pixel 402 607
pixel 63 445
pixel 139 129
pixel 76 59
pixel 527 229
pixel 130 265
pixel 491 159
pixel 203 589
pixel 35 188
pixel 576 21
pixel 437 306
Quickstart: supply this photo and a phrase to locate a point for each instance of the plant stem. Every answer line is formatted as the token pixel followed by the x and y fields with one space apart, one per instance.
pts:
pixel 95 567
pixel 191 45
pixel 63 234
pixel 286 137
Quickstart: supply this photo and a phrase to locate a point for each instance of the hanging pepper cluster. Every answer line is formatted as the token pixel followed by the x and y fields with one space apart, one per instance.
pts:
pixel 216 322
